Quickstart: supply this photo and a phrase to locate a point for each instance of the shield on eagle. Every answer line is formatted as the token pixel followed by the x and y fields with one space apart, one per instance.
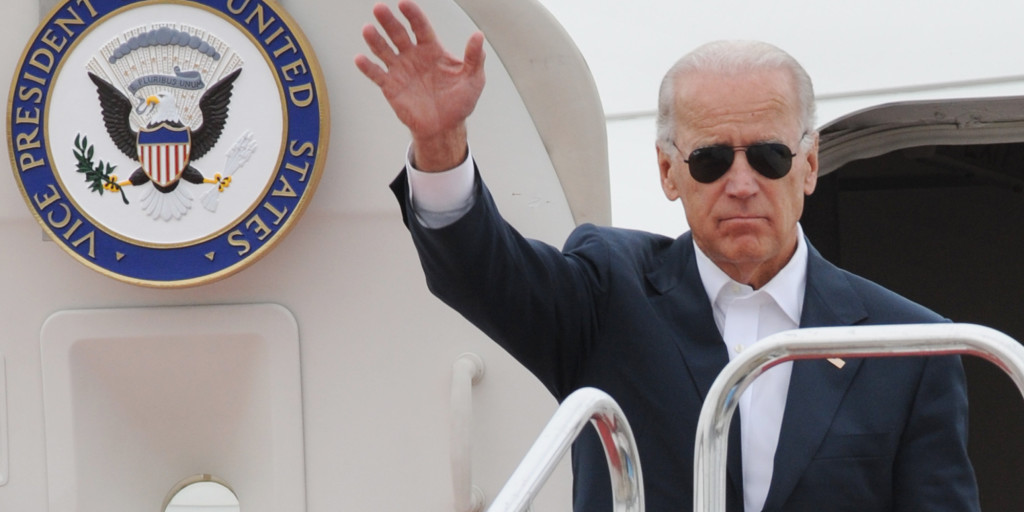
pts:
pixel 164 152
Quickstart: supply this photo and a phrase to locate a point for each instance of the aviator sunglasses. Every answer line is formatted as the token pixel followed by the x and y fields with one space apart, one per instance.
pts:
pixel 771 159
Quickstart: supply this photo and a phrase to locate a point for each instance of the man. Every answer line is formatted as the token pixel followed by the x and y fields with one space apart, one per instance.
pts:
pixel 652 320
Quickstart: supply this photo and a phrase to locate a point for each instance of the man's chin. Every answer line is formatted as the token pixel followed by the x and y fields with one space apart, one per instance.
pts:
pixel 745 250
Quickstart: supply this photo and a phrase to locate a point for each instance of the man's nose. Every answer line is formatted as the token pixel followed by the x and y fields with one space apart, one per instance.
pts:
pixel 741 178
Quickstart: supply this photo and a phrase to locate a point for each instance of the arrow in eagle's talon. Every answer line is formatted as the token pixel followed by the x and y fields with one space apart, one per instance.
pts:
pixel 222 182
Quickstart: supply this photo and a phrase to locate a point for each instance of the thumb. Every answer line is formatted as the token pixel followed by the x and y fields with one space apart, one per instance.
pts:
pixel 474 57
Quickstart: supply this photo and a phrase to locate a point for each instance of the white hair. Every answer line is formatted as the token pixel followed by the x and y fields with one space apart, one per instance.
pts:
pixel 734 58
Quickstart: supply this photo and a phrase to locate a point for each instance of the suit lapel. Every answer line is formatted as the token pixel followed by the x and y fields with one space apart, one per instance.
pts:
pixel 685 306
pixel 816 387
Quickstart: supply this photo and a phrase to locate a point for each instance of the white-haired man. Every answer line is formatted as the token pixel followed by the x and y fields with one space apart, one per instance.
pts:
pixel 652 320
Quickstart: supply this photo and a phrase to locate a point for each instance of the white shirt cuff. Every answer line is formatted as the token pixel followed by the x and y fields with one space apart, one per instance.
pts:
pixel 440 198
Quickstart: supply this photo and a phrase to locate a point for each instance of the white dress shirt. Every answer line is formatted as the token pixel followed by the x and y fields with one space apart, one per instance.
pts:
pixel 744 316
pixel 440 198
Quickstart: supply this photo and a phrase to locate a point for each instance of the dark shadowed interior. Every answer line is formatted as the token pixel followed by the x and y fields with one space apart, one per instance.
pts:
pixel 944 226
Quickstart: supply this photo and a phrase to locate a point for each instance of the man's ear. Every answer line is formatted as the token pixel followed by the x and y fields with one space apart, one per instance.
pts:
pixel 811 179
pixel 668 184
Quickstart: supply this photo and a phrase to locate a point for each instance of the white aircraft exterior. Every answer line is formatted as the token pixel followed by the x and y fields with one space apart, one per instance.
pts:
pixel 325 377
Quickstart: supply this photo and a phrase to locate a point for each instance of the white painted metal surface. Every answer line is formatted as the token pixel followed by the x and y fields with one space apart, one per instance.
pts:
pixel 5 464
pixel 135 398
pixel 376 348
pixel 467 371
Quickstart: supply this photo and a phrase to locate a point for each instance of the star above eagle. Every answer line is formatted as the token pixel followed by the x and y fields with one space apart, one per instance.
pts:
pixel 164 130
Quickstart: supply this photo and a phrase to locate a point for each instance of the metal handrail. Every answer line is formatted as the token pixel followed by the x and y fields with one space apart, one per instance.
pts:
pixel 582 406
pixel 467 370
pixel 818 343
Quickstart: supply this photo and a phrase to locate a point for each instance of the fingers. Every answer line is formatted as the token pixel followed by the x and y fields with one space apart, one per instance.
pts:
pixel 372 71
pixel 402 42
pixel 378 45
pixel 418 22
pixel 396 32
pixel 394 28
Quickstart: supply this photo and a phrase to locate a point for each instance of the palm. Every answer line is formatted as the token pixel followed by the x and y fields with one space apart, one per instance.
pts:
pixel 430 90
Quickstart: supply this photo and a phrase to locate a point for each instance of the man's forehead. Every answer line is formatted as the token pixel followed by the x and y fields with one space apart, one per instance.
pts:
pixel 760 104
pixel 727 80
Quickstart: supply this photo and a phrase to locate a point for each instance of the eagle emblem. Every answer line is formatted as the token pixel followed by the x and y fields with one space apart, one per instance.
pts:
pixel 162 186
pixel 165 148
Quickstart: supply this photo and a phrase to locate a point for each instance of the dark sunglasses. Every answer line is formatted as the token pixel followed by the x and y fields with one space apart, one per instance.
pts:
pixel 771 159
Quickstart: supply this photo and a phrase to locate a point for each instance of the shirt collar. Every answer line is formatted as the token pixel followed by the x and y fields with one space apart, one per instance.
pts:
pixel 786 288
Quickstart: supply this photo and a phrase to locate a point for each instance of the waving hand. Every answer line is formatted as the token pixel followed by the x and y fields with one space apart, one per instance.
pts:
pixel 431 91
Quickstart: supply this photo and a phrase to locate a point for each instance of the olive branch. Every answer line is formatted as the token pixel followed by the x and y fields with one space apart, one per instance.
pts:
pixel 97 176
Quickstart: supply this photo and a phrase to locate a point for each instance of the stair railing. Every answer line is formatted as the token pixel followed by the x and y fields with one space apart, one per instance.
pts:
pixel 585 405
pixel 467 370
pixel 828 342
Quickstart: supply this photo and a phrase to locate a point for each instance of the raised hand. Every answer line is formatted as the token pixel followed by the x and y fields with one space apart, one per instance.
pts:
pixel 431 91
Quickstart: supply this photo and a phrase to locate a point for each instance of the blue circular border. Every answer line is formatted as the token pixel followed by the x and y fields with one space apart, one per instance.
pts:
pixel 187 264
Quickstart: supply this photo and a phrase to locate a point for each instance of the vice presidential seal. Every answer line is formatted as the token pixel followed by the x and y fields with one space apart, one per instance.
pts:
pixel 167 142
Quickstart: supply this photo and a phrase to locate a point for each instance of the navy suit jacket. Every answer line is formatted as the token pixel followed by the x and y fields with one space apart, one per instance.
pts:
pixel 626 312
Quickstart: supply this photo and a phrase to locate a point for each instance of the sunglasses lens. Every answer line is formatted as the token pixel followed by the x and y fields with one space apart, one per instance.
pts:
pixel 710 163
pixel 771 160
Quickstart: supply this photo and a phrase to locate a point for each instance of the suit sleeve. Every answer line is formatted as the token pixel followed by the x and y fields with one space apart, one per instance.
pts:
pixel 932 470
pixel 540 304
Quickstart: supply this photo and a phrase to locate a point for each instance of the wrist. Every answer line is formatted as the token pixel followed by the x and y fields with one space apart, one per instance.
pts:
pixel 440 152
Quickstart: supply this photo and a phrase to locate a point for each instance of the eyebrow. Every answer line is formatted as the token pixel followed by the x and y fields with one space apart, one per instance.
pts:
pixel 769 140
